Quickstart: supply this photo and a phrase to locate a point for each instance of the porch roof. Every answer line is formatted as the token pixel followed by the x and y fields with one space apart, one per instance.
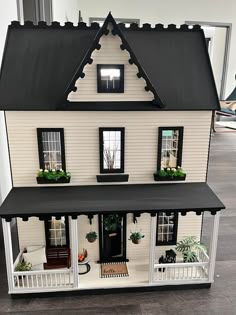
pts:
pixel 42 202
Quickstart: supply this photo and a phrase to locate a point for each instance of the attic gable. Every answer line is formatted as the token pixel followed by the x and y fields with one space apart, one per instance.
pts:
pixel 110 53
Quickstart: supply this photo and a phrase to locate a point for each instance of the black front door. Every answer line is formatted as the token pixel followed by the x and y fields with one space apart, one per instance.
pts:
pixel 112 237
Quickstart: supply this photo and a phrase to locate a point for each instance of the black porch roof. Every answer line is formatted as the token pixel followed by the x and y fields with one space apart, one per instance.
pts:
pixel 76 200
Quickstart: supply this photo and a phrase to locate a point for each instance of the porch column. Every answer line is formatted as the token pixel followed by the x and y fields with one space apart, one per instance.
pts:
pixel 6 227
pixel 153 227
pixel 213 247
pixel 74 251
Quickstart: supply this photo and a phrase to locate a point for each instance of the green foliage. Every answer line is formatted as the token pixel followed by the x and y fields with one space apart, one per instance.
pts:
pixel 23 266
pixel 91 235
pixel 171 172
pixel 188 247
pixel 53 174
pixel 135 236
pixel 112 222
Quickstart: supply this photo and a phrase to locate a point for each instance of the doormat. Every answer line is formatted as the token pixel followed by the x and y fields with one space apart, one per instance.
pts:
pixel 114 269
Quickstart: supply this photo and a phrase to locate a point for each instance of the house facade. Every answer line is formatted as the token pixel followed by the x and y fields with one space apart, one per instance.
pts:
pixel 124 116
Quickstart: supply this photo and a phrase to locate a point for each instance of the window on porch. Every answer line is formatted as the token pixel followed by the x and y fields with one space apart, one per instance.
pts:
pixel 167 226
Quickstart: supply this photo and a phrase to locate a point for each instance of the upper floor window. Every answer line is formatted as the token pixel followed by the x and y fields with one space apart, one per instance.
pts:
pixel 111 142
pixel 167 228
pixel 110 78
pixel 51 148
pixel 170 143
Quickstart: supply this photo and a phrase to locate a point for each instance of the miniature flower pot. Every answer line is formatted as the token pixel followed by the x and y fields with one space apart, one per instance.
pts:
pixel 136 241
pixel 158 178
pixel 43 180
pixel 91 240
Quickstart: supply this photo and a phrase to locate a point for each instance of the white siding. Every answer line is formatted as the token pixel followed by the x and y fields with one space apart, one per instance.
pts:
pixel 82 142
pixel 110 53
pixel 31 232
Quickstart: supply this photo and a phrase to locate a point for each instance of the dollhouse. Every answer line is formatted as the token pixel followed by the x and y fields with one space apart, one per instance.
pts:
pixel 108 132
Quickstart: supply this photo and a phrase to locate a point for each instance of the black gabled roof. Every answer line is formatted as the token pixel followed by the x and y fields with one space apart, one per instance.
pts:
pixel 42 63
pixel 42 202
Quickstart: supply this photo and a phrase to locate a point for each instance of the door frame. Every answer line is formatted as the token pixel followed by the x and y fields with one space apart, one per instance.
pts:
pixel 228 27
pixel 124 230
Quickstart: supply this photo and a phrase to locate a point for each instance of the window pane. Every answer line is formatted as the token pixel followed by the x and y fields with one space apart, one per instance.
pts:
pixel 169 150
pixel 165 228
pixel 57 232
pixel 111 149
pixel 51 145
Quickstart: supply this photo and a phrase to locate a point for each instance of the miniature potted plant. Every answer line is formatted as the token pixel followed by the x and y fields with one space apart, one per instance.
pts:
pixel 53 176
pixel 136 237
pixel 91 236
pixel 23 266
pixel 188 247
pixel 170 174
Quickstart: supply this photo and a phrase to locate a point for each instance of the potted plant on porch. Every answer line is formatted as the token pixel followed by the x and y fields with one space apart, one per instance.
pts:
pixel 188 247
pixel 91 236
pixel 53 176
pixel 136 237
pixel 170 174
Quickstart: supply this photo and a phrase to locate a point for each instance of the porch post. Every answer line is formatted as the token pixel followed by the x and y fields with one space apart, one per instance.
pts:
pixel 213 247
pixel 6 227
pixel 74 251
pixel 152 247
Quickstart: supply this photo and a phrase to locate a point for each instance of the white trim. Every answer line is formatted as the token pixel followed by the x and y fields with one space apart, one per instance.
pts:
pixel 74 251
pixel 6 227
pixel 152 248
pixel 20 11
pixel 213 247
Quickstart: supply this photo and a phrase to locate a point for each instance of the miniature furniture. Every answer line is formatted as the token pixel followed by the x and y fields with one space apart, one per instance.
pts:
pixel 57 258
pixel 85 263
pixel 170 258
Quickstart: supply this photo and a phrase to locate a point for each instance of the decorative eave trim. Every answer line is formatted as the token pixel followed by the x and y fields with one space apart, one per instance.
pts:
pixel 74 215
pixel 54 25
pixel 160 27
pixel 133 60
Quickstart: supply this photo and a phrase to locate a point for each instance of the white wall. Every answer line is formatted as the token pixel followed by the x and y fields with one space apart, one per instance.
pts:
pixel 82 142
pixel 8 12
pixel 158 11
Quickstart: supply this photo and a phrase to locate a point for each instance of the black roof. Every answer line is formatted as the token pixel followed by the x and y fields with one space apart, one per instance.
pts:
pixel 41 64
pixel 75 200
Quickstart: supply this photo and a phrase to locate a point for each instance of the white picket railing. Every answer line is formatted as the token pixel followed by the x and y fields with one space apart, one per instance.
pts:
pixel 43 279
pixel 183 272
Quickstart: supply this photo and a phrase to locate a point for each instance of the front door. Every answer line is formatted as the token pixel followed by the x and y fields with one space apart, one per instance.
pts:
pixel 112 237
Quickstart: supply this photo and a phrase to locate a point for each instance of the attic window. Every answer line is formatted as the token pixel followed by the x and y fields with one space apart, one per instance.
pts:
pixel 110 78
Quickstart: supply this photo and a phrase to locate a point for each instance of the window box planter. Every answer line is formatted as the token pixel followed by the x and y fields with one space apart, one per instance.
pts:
pixel 158 178
pixel 112 178
pixel 43 180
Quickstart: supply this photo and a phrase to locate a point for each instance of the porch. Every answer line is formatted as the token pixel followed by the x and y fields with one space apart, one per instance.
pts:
pixel 142 273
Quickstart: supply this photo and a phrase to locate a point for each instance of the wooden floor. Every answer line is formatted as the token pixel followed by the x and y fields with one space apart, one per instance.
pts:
pixel 220 299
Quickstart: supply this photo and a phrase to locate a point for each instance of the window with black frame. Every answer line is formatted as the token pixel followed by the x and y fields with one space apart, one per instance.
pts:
pixel 57 232
pixel 166 228
pixel 111 141
pixel 51 148
pixel 170 143
pixel 110 78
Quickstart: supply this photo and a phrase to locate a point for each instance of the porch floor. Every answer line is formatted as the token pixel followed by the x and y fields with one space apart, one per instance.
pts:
pixel 138 275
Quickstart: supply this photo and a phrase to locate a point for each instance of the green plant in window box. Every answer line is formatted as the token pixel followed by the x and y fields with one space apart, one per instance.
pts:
pixel 170 173
pixel 136 237
pixel 53 176
pixel 91 236
pixel 189 247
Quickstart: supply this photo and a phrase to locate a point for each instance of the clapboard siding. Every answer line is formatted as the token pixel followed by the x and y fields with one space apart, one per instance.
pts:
pixel 110 53
pixel 32 233
pixel 82 142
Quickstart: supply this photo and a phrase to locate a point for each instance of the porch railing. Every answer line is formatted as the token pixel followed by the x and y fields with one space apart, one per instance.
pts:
pixel 183 272
pixel 43 279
